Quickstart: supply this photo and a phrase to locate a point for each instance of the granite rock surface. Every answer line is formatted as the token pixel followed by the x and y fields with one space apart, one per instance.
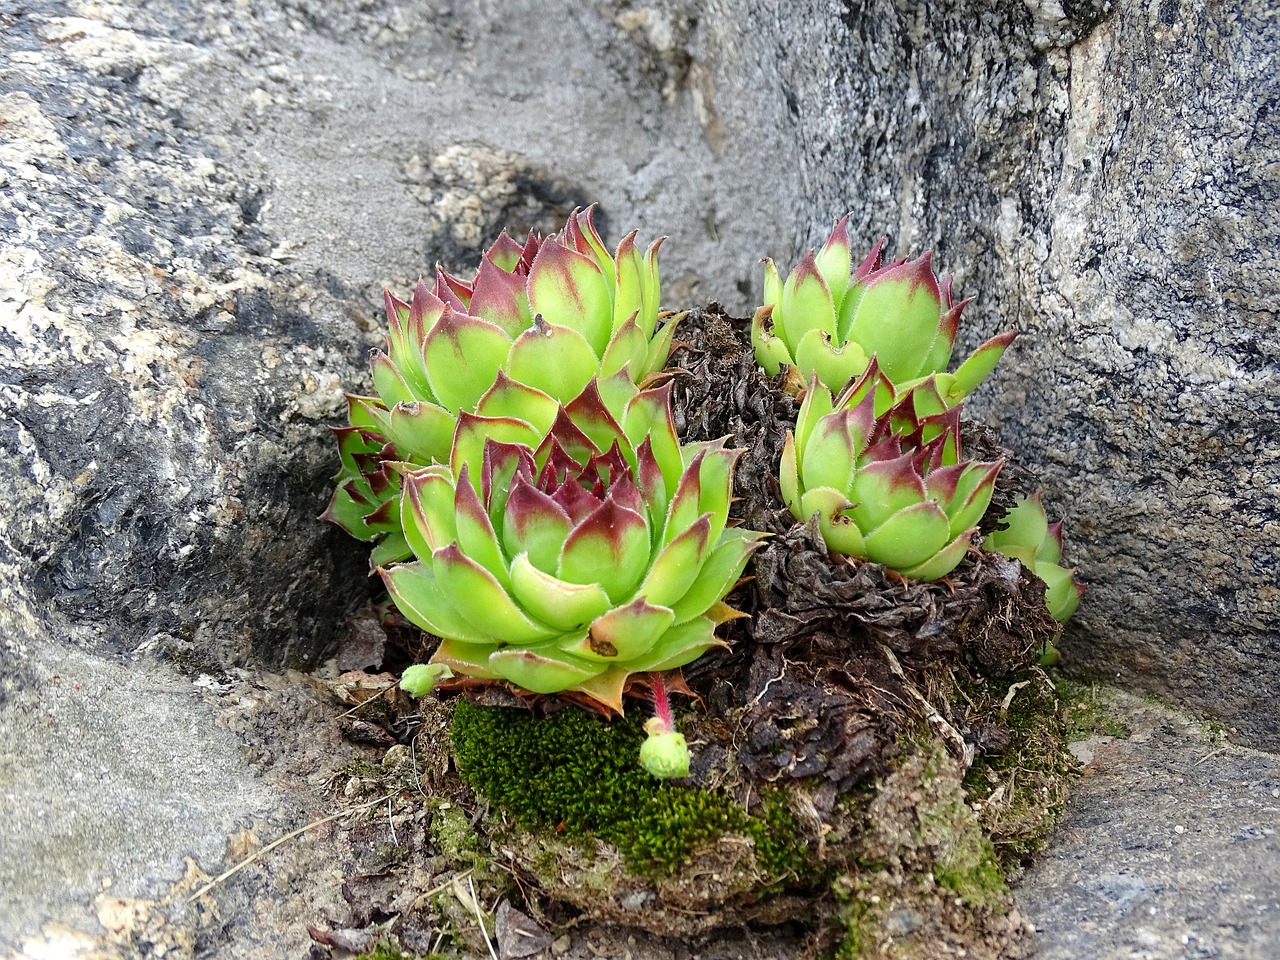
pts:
pixel 199 205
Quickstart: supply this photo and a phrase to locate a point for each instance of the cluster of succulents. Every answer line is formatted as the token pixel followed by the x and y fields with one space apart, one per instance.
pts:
pixel 549 316
pixel 569 560
pixel 825 321
pixel 533 507
pixel 890 488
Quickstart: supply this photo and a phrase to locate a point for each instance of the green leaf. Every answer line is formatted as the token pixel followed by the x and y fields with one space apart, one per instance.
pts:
pixel 566 606
pixel 463 356
pixel 898 318
pixel 909 537
pixel 806 303
pixel 610 547
pixel 718 574
pixel 569 290
pixel 555 359
pixel 840 531
pixel 542 670
pixel 419 596
pixel 422 432
pixel 623 634
pixel 480 598
pixel 677 564
pixel 771 351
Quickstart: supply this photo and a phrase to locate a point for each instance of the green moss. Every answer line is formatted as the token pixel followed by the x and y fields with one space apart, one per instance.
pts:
pixel 386 950
pixel 973 874
pixel 1087 711
pixel 579 776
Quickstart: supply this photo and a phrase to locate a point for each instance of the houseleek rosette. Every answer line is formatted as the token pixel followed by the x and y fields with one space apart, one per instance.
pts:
pixel 889 488
pixel 571 557
pixel 829 322
pixel 1028 536
pixel 551 315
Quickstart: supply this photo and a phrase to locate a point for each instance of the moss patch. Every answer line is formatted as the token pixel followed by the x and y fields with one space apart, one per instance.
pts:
pixel 578 776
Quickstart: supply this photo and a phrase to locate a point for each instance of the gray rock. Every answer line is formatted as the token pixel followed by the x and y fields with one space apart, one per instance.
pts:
pixel 201 202
pixel 1170 847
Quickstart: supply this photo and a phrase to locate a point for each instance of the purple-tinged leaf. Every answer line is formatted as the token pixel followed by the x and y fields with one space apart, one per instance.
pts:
pixel 463 356
pixel 427 510
pixel 980 363
pixel 610 547
pixel 806 303
pixel 680 645
pixel 473 432
pixel 718 574
pixel 505 253
pixel 422 432
pixel 628 347
pixel 534 524
pixel 451 291
pixel 569 290
pixel 555 359
pixel 629 299
pixel 500 298
pixel 834 261
pixel 587 411
pixel 513 398
pixel 898 318
pixel 649 416
pixel 476 535
pixel 883 488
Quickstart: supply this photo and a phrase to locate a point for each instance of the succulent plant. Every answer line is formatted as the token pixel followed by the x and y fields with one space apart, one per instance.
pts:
pixel 828 322
pixel 570 556
pixel 1028 536
pixel 550 315
pixel 890 487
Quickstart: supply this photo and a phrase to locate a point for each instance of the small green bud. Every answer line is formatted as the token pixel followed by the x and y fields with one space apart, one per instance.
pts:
pixel 421 678
pixel 665 755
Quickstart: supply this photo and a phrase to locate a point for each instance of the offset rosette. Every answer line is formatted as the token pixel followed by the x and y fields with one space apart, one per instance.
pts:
pixel 828 322
pixel 550 315
pixel 891 487
pixel 570 558
pixel 1028 536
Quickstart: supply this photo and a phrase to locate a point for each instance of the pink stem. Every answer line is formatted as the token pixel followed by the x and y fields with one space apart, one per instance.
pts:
pixel 661 706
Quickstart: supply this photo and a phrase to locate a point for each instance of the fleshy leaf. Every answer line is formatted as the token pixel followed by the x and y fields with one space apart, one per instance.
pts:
pixel 541 672
pixel 676 566
pixel 834 261
pixel 481 600
pixel 463 356
pixel 624 633
pixel 566 606
pixel 840 531
pixel 568 289
pixel 806 303
pixel 610 547
pixel 419 596
pixel 835 366
pixel 535 524
pixel 555 359
pixel 500 298
pixel 898 317
pixel 909 537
